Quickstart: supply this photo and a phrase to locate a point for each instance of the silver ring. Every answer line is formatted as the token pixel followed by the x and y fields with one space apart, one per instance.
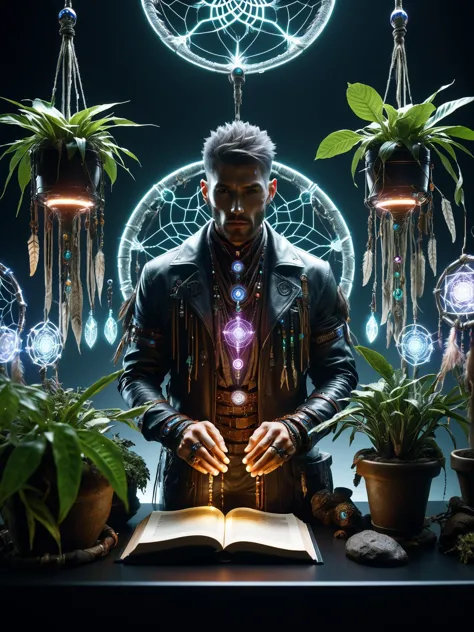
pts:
pixel 195 447
pixel 280 451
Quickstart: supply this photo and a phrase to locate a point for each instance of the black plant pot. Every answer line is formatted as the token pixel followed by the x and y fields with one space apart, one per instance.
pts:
pixel 402 178
pixel 118 515
pixel 56 178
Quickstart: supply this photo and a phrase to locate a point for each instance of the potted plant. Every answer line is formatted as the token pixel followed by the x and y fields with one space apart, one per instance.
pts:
pixel 462 459
pixel 399 416
pixel 58 470
pixel 397 146
pixel 137 474
pixel 64 159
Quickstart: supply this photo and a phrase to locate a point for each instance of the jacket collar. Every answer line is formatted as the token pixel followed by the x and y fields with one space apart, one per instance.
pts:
pixel 281 284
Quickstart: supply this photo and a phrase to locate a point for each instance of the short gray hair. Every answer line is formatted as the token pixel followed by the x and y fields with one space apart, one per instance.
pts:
pixel 238 143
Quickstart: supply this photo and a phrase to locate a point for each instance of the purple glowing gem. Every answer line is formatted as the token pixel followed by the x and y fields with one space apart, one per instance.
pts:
pixel 397 259
pixel 238 398
pixel 238 364
pixel 238 333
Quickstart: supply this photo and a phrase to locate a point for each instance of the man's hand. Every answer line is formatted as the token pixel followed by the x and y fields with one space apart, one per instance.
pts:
pixel 203 447
pixel 269 447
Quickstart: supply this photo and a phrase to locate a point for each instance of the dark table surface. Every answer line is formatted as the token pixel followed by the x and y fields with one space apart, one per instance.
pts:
pixel 432 589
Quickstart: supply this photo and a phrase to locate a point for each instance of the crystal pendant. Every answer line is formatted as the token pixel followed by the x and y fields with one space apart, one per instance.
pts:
pixel 371 329
pixel 110 329
pixel 90 333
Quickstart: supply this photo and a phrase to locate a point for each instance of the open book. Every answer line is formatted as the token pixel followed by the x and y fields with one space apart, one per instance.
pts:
pixel 242 530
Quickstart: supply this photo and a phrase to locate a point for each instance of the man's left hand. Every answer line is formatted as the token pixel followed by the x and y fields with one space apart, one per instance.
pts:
pixel 269 447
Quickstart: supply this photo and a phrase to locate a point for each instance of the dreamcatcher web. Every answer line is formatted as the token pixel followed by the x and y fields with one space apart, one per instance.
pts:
pixel 12 315
pixel 254 35
pixel 173 210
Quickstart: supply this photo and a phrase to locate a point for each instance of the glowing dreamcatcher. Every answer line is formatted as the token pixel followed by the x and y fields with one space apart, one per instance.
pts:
pixel 173 210
pixel 254 35
pixel 12 317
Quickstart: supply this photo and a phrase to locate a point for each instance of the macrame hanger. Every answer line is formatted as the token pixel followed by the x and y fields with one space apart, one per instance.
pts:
pixel 67 64
pixel 237 78
pixel 398 66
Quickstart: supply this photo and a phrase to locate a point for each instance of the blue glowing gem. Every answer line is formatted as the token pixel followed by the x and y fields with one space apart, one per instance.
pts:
pixel 399 17
pixel 90 333
pixel 396 275
pixel 371 329
pixel 237 267
pixel 67 255
pixel 110 329
pixel 238 293
pixel 67 15
pixel 396 227
pixel 238 71
pixel 398 294
pixel 343 515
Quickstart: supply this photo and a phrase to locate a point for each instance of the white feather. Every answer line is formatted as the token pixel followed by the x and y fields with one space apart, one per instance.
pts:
pixel 448 216
pixel 367 266
pixel 432 253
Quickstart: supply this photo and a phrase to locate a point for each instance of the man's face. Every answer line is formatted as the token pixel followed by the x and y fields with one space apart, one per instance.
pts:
pixel 237 196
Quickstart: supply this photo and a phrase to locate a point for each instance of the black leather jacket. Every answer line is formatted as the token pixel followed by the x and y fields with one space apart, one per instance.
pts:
pixel 147 361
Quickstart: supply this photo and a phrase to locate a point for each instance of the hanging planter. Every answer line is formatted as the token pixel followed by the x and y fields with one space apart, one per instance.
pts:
pixel 60 181
pixel 400 183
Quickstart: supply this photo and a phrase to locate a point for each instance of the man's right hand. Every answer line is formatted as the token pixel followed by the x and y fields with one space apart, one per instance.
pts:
pixel 203 447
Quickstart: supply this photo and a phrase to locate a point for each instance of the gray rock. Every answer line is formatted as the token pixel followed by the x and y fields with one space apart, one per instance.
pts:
pixel 375 549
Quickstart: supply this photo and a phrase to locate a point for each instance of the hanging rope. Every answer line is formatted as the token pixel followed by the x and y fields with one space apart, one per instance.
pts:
pixel 67 65
pixel 237 78
pixel 398 66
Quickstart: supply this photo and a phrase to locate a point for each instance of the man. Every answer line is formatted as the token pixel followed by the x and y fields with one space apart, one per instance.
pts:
pixel 239 318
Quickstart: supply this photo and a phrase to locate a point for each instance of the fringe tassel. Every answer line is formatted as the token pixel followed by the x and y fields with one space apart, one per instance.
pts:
pixel 452 357
pixel 304 329
pixel 48 263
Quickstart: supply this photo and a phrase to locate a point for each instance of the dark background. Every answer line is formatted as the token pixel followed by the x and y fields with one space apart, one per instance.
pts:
pixel 122 59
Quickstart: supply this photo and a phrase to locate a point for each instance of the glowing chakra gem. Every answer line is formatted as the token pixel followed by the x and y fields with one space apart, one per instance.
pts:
pixel 398 294
pixel 110 329
pixel 371 329
pixel 238 364
pixel 9 344
pixel 396 275
pixel 67 255
pixel 415 344
pixel 238 398
pixel 238 293
pixel 397 259
pixel 237 267
pixel 238 333
pixel 91 329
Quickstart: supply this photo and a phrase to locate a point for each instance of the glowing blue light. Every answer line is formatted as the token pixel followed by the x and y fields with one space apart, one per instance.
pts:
pixel 237 267
pixel 238 293
pixel 9 344
pixel 415 344
pixel 91 330
pixel 371 329
pixel 44 344
pixel 110 328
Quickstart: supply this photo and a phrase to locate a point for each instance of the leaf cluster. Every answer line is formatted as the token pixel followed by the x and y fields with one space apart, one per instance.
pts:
pixel 399 415
pixel 48 126
pixel 136 469
pixel 409 126
pixel 44 419
pixel 464 547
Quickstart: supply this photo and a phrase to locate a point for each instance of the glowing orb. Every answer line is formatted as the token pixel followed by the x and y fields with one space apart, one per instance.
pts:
pixel 237 267
pixel 371 329
pixel 238 364
pixel 238 333
pixel 415 345
pixel 238 293
pixel 9 344
pixel 458 292
pixel 238 398
pixel 44 344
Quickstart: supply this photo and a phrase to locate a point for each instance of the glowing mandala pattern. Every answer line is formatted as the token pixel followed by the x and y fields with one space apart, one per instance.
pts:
pixel 12 315
pixel 254 35
pixel 44 344
pixel 173 210
pixel 454 293
pixel 415 344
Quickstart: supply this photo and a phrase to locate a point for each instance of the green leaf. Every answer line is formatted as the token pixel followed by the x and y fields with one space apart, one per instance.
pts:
pixel 81 145
pixel 22 463
pixel 446 109
pixel 418 114
pixel 446 164
pixel 24 176
pixel 15 160
pixel 92 390
pixel 9 405
pixel 108 459
pixel 67 457
pixel 358 155
pixel 337 143
pixel 110 167
pixel 433 96
pixel 387 149
pixel 365 102
pixel 42 514
pixel 458 131
pixel 391 112
pixel 82 115
pixel 376 361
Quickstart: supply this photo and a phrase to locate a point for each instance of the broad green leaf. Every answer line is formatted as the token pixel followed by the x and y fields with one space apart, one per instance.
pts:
pixel 9 405
pixel 376 361
pixel 433 96
pixel 92 390
pixel 81 145
pixel 337 143
pixel 22 463
pixel 391 112
pixel 448 108
pixel 446 164
pixel 387 149
pixel 110 167
pixel 15 160
pixel 48 108
pixel 418 114
pixel 67 458
pixel 358 155
pixel 365 102
pixel 80 116
pixel 42 514
pixel 108 459
pixel 24 176
pixel 458 131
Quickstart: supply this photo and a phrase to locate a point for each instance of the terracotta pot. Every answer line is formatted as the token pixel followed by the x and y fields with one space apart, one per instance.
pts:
pixel 398 494
pixel 402 178
pixel 462 462
pixel 56 177
pixel 81 527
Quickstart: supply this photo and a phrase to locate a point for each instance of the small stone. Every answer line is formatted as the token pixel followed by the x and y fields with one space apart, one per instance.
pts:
pixel 375 549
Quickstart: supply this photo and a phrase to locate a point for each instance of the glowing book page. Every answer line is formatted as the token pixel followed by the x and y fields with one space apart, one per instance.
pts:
pixel 284 532
pixel 172 525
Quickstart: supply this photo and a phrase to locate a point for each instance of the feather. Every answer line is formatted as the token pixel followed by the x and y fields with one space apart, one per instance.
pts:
pixel 420 273
pixel 90 273
pixel 99 272
pixel 18 370
pixel 432 253
pixel 448 216
pixel 76 300
pixel 33 252
pixel 452 357
pixel 65 313
pixel 48 265
pixel 367 266
pixel 413 280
